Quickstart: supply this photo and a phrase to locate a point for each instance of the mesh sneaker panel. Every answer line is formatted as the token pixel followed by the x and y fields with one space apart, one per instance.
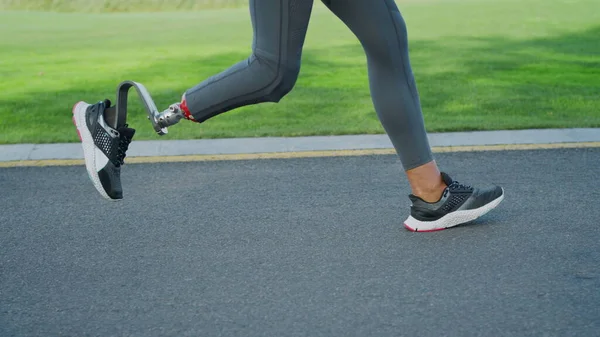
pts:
pixel 104 141
pixel 454 202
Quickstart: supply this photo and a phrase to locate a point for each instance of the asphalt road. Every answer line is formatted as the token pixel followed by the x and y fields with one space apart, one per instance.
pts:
pixel 300 247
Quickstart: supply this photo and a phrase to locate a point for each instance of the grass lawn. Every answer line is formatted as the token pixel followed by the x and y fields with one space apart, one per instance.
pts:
pixel 480 65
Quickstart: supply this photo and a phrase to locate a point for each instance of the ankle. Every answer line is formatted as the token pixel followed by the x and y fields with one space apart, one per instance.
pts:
pixel 431 193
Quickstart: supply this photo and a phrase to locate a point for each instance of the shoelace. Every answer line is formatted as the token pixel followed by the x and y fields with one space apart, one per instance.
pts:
pixel 458 186
pixel 122 149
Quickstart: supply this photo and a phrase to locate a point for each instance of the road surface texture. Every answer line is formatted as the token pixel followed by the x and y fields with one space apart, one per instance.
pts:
pixel 300 247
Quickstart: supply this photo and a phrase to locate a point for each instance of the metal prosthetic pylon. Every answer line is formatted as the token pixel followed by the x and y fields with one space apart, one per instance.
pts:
pixel 160 120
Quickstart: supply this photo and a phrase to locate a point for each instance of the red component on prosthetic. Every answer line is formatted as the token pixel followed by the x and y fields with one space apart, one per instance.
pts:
pixel 186 111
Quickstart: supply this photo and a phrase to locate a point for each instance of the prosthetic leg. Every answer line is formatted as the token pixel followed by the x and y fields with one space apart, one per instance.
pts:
pixel 105 135
pixel 160 120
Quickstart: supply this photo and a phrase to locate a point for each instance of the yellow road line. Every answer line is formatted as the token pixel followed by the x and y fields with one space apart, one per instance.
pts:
pixel 301 154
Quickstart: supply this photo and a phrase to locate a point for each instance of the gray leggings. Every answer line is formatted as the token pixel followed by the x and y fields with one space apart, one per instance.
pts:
pixel 272 69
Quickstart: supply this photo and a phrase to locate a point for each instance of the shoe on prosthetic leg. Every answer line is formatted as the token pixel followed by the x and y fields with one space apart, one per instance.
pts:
pixel 104 146
pixel 458 204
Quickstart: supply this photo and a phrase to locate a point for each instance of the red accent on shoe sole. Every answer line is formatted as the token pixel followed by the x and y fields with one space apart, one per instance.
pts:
pixel 423 231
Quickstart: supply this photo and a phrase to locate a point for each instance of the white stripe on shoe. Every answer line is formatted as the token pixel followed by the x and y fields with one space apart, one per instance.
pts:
pixel 90 152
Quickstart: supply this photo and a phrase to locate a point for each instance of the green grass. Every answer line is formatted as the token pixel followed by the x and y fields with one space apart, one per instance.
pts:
pixel 479 65
pixel 117 5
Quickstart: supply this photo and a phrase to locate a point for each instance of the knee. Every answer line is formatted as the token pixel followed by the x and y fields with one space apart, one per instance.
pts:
pixel 283 83
pixel 281 79
pixel 383 40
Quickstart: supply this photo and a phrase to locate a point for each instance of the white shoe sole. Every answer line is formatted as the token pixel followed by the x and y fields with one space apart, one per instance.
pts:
pixel 451 219
pixel 87 142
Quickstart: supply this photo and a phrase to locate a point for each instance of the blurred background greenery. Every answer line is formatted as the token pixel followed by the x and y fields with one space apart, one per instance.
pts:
pixel 479 65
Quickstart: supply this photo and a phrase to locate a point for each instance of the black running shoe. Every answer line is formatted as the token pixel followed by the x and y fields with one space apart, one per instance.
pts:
pixel 458 204
pixel 104 147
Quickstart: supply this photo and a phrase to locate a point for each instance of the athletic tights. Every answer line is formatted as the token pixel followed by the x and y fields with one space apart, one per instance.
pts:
pixel 271 70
